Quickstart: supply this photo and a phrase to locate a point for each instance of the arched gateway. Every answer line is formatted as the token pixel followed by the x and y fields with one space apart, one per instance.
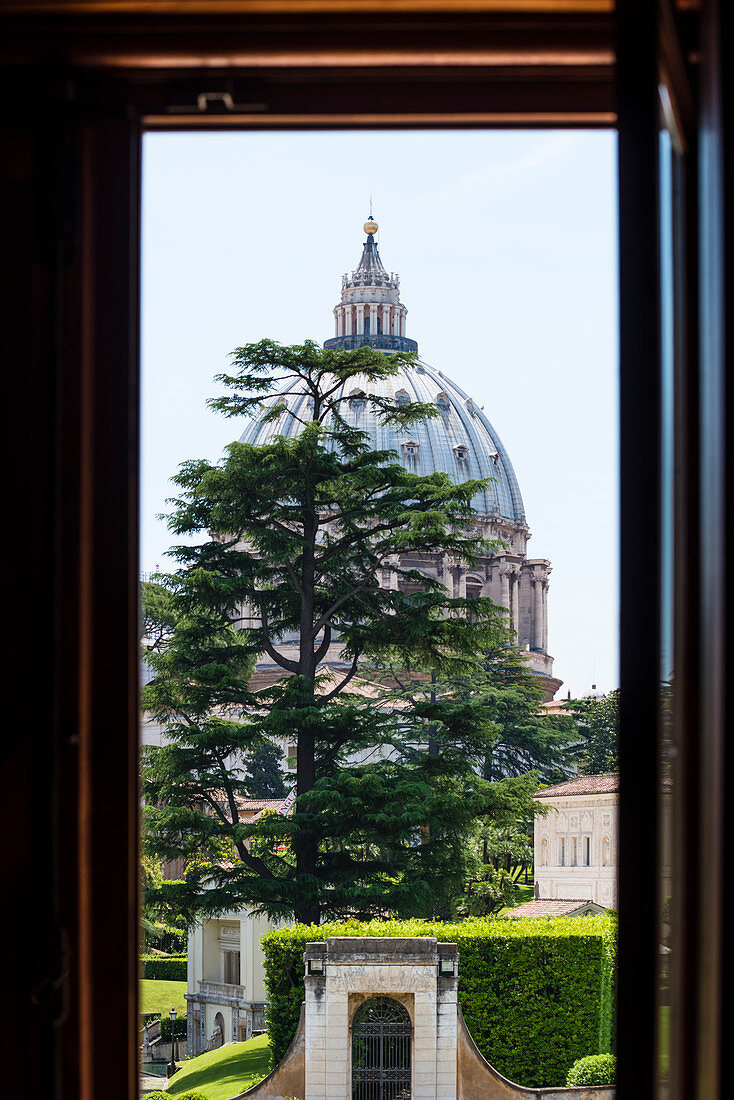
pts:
pixel 381 1041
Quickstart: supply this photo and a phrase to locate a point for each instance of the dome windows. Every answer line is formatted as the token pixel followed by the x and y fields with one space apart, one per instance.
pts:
pixel 357 401
pixel 442 400
pixel 402 397
pixel 410 448
pixel 461 451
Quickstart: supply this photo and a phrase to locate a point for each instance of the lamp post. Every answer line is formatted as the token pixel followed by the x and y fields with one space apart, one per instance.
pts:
pixel 172 1067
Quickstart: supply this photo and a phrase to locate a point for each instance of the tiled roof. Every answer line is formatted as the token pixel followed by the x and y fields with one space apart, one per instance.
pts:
pixel 549 907
pixel 260 803
pixel 582 784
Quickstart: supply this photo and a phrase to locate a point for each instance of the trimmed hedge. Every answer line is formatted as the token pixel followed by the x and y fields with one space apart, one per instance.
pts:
pixel 179 1029
pixel 167 968
pixel 594 1069
pixel 537 995
pixel 158 1094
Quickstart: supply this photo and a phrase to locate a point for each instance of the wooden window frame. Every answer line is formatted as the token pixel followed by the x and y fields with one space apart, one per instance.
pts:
pixel 82 83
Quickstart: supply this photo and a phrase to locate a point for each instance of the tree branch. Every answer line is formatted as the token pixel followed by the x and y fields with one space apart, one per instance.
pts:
pixel 345 681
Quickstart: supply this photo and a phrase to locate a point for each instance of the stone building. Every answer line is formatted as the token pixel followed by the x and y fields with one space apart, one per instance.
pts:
pixel 460 442
pixel 576 841
pixel 225 990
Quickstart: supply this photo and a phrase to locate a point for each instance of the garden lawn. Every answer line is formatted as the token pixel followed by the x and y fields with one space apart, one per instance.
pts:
pixel 222 1073
pixel 525 892
pixel 160 997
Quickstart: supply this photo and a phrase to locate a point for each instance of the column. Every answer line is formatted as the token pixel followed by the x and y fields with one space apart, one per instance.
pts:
pixel 348 320
pixel 402 322
pixel 425 1036
pixel 315 1040
pixel 505 590
pixel 373 320
pixel 386 319
pixel 360 320
pixel 537 612
pixel 544 618
pixel 512 579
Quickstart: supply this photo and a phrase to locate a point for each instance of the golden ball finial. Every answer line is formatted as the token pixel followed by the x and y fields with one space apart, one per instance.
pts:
pixel 370 226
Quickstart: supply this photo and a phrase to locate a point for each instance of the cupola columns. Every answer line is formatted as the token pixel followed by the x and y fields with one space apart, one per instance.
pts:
pixel 370 311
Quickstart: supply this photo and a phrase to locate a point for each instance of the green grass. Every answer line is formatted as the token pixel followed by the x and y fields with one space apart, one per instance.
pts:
pixel 159 996
pixel 222 1073
pixel 524 893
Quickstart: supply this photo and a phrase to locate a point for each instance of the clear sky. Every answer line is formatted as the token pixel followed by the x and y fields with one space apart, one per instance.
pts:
pixel 506 244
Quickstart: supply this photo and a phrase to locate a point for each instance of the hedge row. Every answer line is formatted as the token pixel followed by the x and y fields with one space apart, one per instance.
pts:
pixel 169 968
pixel 536 994
pixel 179 1028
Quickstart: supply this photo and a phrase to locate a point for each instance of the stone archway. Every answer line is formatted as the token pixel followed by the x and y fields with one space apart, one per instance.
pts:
pixel 218 1033
pixel 381 1050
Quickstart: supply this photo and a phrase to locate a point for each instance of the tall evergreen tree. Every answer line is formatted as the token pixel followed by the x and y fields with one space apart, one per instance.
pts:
pixel 264 772
pixel 598 732
pixel 292 537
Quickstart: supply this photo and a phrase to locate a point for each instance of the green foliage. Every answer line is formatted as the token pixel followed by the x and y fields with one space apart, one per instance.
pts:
pixel 598 725
pixel 263 770
pixel 178 1029
pixel 536 994
pixel 170 968
pixel 594 1069
pixel 300 531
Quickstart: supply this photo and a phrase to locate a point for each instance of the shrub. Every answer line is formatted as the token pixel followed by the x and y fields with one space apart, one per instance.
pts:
pixel 536 994
pixel 179 1029
pixel 594 1069
pixel 192 1095
pixel 157 1094
pixel 169 968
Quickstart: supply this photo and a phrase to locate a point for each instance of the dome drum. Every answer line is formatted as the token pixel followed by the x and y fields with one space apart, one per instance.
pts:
pixel 381 341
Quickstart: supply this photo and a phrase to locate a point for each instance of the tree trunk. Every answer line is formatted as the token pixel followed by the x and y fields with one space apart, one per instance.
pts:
pixel 306 849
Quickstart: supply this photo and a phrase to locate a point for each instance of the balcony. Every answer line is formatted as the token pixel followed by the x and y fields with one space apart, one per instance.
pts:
pixel 221 991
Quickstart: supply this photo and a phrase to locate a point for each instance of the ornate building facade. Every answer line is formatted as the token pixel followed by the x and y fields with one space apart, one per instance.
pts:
pixel 460 442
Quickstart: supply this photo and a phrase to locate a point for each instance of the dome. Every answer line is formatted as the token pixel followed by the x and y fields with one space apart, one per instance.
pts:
pixel 460 441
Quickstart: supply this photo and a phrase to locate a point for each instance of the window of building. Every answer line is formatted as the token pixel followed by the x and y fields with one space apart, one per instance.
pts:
pixel 587 851
pixel 562 852
pixel 231 967
pixel 574 852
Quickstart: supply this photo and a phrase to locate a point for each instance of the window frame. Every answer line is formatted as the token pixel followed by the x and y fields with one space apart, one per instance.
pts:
pixel 85 84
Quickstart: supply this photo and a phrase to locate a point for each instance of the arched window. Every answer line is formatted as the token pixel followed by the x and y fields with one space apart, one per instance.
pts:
pixel 357 401
pixel 442 400
pixel 402 397
pixel 381 1054
pixel 461 451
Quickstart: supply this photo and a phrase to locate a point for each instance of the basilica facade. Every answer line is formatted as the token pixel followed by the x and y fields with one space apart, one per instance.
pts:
pixel 460 442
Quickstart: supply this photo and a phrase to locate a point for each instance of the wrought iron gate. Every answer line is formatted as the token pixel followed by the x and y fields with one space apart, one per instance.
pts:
pixel 381 1035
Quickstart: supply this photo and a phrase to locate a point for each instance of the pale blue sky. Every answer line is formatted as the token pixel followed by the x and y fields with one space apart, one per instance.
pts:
pixel 506 247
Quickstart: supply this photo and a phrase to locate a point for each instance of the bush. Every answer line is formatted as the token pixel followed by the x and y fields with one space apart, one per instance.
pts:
pixel 167 968
pixel 179 1029
pixel 193 1095
pixel 594 1069
pixel 536 994
pixel 157 1094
